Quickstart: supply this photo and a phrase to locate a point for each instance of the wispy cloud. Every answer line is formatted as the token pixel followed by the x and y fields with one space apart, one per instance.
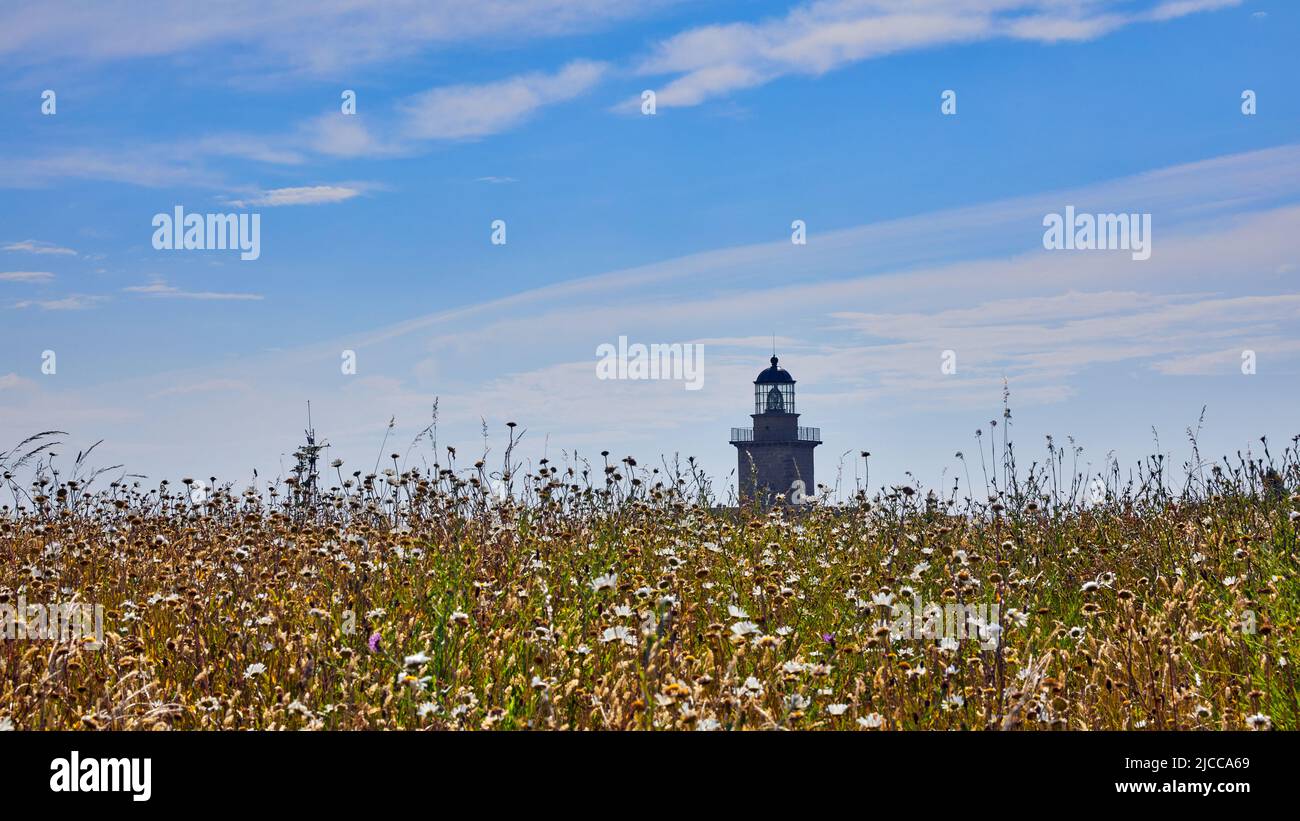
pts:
pixel 26 276
pixel 463 111
pixel 259 148
pixel 1275 350
pixel 306 195
pixel 444 113
pixel 818 37
pixel 151 166
pixel 287 36
pixel 74 302
pixel 160 289
pixel 407 128
pixel 335 135
pixel 1047 340
pixel 33 246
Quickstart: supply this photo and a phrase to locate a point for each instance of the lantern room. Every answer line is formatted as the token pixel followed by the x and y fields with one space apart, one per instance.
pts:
pixel 774 390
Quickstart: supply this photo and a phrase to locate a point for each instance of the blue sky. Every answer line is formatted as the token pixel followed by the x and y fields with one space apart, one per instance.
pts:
pixel 924 230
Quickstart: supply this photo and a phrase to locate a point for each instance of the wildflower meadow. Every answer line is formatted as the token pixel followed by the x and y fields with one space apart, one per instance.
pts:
pixel 607 594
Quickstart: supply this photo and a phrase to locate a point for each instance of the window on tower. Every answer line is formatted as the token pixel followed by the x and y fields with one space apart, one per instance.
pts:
pixel 774 402
pixel 774 398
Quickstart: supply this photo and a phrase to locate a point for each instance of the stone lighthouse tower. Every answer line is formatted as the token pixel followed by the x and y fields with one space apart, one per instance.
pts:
pixel 776 455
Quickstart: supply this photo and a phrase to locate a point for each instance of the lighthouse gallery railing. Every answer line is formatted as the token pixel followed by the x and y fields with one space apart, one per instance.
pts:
pixel 802 434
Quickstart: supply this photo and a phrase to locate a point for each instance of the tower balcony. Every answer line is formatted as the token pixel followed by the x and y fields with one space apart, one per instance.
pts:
pixel 801 434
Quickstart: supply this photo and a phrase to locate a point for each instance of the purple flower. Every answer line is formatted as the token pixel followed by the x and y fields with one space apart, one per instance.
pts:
pixel 828 637
pixel 374 643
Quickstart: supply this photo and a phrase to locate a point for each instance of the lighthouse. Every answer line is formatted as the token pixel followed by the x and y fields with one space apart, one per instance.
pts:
pixel 775 456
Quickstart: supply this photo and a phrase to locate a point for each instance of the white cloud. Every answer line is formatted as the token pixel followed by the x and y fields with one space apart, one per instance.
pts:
pixel 250 147
pixel 334 135
pixel 1052 28
pixel 463 111
pixel 1228 360
pixel 818 37
pixel 26 276
pixel 1171 9
pixel 306 195
pixel 74 302
pixel 161 289
pixel 153 166
pixel 1046 340
pixel 32 246
pixel 453 112
pixel 288 36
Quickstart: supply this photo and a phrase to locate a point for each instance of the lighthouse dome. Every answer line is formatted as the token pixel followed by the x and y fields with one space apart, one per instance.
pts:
pixel 774 375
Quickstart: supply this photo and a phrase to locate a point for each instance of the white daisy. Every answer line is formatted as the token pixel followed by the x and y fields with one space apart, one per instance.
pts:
pixel 744 628
pixel 618 633
pixel 1259 721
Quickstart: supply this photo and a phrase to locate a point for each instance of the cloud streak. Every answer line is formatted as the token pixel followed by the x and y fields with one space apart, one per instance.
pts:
pixel 32 246
pixel 303 195
pixel 814 38
pixel 159 289
pixel 467 111
pixel 441 114
pixel 26 276
pixel 74 302
pixel 287 36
